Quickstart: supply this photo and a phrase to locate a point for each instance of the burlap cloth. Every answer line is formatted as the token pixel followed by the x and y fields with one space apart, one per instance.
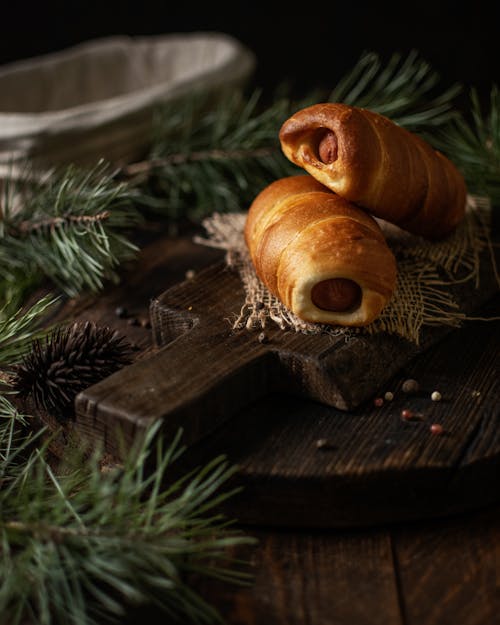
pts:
pixel 425 272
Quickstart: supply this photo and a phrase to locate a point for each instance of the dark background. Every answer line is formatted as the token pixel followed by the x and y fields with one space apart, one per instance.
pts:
pixel 310 45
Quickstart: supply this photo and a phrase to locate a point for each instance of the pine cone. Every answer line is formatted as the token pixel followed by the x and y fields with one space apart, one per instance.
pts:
pixel 68 361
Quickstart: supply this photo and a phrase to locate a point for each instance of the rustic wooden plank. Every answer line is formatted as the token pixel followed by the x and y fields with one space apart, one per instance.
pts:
pixel 321 579
pixel 449 570
pixel 440 572
pixel 191 383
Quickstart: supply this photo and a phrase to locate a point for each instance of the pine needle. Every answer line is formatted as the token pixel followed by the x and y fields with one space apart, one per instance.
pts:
pixel 82 546
pixel 211 156
pixel 18 330
pixel 473 143
pixel 71 228
pixel 402 89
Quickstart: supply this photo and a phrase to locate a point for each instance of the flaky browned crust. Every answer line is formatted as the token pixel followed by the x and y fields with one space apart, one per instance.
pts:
pixel 379 166
pixel 299 234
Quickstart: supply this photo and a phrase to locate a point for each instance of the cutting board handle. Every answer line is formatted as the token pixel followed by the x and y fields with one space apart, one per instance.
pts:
pixel 189 383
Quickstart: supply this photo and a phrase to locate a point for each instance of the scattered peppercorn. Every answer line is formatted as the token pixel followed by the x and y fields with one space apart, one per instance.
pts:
pixel 324 443
pixel 436 396
pixel 436 429
pixel 121 312
pixel 190 274
pixel 406 414
pixel 262 338
pixel 378 401
pixel 410 386
pixel 389 396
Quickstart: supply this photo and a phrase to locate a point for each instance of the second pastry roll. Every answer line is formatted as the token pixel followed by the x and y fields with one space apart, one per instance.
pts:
pixel 323 257
pixel 369 160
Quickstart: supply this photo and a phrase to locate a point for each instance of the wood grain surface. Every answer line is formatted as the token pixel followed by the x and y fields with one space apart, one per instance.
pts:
pixel 464 584
pixel 438 572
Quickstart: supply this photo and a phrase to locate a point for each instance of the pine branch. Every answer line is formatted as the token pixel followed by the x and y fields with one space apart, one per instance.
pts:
pixel 15 436
pixel 474 146
pixel 149 166
pixel 402 89
pixel 81 547
pixel 17 331
pixel 70 227
pixel 209 156
pixel 50 223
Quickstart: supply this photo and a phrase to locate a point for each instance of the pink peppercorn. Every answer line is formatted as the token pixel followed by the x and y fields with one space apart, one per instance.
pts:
pixel 436 429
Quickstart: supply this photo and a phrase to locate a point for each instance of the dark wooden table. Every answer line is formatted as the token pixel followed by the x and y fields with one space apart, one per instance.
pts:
pixel 436 571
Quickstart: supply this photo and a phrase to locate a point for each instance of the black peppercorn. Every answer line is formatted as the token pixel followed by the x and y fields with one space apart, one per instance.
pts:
pixel 121 312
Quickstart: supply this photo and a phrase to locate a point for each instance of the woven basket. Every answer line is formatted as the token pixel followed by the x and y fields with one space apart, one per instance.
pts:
pixel 96 99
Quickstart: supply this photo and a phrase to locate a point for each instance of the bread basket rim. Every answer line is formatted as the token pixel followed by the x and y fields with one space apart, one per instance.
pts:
pixel 240 61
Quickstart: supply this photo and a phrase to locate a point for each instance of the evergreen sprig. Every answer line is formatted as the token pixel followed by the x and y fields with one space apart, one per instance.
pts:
pixel 472 141
pixel 83 546
pixel 18 330
pixel 403 89
pixel 15 434
pixel 212 155
pixel 70 227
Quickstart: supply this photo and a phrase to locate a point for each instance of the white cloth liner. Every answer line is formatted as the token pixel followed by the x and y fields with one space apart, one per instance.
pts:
pixel 95 100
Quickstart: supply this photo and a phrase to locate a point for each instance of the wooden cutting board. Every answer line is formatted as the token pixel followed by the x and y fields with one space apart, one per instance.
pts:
pixel 267 404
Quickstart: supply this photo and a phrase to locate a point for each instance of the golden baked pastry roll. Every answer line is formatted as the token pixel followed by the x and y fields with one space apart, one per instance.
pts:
pixel 369 160
pixel 324 258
